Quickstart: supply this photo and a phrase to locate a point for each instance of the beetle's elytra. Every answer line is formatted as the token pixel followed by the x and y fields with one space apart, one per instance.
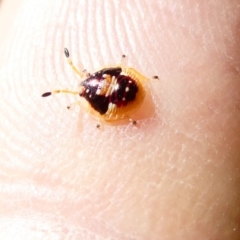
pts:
pixel 112 93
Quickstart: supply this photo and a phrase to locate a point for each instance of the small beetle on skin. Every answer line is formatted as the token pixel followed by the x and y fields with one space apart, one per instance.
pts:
pixel 112 93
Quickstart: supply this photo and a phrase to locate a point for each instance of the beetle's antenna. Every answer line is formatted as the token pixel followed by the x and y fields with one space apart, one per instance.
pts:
pixel 46 94
pixel 74 68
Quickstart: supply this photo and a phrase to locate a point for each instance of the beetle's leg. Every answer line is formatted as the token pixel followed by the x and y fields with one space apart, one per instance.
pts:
pixel 74 68
pixel 87 74
pixel 132 121
pixel 100 124
pixel 123 60
pixel 73 104
pixel 46 94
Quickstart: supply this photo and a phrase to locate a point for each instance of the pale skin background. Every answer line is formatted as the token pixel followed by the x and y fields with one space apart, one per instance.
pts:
pixel 175 176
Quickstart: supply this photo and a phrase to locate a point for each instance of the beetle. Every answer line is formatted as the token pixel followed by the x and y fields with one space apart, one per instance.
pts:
pixel 112 93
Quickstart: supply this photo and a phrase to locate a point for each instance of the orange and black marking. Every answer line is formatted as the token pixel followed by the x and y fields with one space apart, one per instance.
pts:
pixel 113 93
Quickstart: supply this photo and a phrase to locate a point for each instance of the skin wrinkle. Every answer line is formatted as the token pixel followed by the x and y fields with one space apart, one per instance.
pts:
pixel 175 176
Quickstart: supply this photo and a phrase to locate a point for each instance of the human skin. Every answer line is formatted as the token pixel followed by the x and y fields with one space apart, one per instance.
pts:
pixel 173 176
